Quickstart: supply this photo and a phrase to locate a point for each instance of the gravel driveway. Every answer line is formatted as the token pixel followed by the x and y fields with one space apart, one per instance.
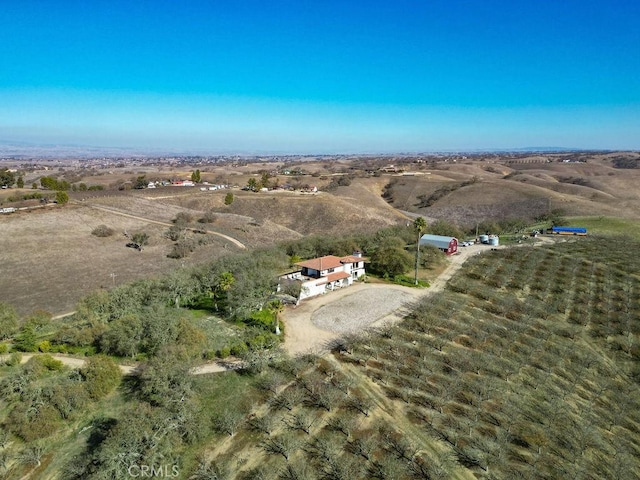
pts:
pixel 358 311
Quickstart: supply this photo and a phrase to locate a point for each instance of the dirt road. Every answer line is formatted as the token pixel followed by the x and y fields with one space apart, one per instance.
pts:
pixel 236 242
pixel 74 362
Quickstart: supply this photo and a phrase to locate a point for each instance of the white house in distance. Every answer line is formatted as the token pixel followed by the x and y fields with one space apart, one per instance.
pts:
pixel 323 274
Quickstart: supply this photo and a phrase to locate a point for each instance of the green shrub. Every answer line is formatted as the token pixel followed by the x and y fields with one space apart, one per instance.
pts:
pixel 14 359
pixel 141 238
pixel 209 217
pixel 262 318
pixel 44 346
pixel 26 339
pixel 239 349
pixel 408 281
pixel 224 352
pixel 3 348
pixel 48 362
pixel 59 349
pixel 102 231
pixel 101 375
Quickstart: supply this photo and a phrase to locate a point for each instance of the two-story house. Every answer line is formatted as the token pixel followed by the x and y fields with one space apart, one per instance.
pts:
pixel 327 273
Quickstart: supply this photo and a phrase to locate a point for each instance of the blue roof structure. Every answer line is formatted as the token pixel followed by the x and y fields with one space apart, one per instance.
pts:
pixel 569 229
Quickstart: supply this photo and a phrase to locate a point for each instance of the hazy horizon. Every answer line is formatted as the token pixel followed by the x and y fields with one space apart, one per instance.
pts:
pixel 292 78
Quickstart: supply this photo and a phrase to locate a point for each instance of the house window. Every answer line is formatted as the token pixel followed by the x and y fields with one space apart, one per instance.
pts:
pixel 331 270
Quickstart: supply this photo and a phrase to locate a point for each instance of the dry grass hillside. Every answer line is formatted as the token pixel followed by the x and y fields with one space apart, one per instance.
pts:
pixel 50 259
pixel 304 214
pixel 464 192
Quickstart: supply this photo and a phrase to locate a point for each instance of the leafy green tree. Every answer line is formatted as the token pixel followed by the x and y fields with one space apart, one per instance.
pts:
pixel 20 182
pixel 140 182
pixel 264 180
pixel 389 260
pixel 448 229
pixel 190 336
pixel 124 336
pixel 26 340
pixel 184 288
pixel 51 183
pixel 228 198
pixel 62 197
pixel 7 178
pixel 141 238
pixel 195 176
pixel 166 380
pixel 8 320
pixel 101 375
pixel 142 435
pixel 253 184
pixel 34 186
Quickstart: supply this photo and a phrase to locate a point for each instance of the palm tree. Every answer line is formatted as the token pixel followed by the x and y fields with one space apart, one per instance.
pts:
pixel 419 224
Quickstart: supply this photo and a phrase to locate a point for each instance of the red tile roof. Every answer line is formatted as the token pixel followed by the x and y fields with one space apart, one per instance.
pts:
pixel 322 263
pixel 329 261
pixel 332 277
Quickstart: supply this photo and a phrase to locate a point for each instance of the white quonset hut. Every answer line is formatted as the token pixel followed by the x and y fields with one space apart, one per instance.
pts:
pixel 448 245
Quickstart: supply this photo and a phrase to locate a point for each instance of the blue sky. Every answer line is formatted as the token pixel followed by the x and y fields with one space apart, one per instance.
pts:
pixel 321 77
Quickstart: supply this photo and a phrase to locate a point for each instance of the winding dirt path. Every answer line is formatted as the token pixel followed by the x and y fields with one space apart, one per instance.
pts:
pixel 234 241
pixel 217 366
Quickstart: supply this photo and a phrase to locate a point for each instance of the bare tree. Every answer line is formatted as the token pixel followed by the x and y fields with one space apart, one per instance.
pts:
pixel 265 424
pixel 288 399
pixel 228 421
pixel 360 404
pixel 301 420
pixel 342 424
pixel 363 447
pixel 284 445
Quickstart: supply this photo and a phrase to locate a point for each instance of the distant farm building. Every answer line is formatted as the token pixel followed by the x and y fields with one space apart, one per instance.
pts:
pixel 568 231
pixel 323 274
pixel 448 245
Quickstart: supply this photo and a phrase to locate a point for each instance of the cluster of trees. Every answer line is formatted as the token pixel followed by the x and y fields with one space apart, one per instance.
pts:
pixel 267 180
pixel 52 183
pixel 339 181
pixel 7 178
pixel 428 200
pixel 42 395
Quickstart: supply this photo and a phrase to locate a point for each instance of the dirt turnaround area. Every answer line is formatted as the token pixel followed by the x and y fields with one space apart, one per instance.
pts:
pixel 316 322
